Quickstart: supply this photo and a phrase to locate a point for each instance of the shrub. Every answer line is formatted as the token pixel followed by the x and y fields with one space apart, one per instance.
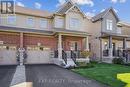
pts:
pixel 84 65
pixel 85 53
pixel 118 61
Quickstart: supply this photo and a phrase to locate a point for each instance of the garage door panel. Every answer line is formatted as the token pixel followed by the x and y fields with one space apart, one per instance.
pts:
pixel 8 56
pixel 38 57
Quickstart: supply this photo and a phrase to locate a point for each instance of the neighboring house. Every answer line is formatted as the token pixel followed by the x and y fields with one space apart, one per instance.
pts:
pixel 110 37
pixel 47 37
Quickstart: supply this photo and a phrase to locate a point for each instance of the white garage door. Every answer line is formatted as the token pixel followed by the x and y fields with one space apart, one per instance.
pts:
pixel 38 55
pixel 8 55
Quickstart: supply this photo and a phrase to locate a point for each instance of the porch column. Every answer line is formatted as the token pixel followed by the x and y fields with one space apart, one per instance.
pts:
pixel 86 44
pixel 124 43
pixel 21 39
pixel 59 46
pixel 110 47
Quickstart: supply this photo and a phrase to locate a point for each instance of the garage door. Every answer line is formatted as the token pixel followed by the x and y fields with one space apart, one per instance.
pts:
pixel 8 55
pixel 38 55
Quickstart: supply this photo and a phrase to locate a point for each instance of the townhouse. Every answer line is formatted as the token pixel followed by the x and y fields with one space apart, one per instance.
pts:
pixel 46 37
pixel 110 37
pixel 59 38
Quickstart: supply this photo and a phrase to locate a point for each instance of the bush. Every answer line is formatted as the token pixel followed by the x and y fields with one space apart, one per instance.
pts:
pixel 118 61
pixel 85 54
pixel 84 65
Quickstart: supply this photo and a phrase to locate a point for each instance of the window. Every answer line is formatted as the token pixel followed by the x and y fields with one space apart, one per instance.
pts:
pixel 43 23
pixel 109 25
pixel 11 19
pixel 119 30
pixel 59 23
pixel 74 23
pixel 30 22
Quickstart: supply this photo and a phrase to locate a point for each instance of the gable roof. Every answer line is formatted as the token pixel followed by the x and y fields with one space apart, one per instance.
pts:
pixel 66 7
pixel 103 14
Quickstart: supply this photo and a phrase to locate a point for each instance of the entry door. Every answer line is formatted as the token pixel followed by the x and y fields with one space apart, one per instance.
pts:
pixel 38 55
pixel 114 49
pixel 74 46
pixel 8 55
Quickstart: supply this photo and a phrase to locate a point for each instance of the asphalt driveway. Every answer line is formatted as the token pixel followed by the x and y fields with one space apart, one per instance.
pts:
pixel 6 75
pixel 54 76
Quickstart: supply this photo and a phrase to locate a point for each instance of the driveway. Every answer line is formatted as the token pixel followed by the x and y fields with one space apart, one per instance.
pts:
pixel 6 75
pixel 54 76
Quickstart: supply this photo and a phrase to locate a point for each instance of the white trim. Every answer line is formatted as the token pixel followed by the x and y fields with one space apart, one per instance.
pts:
pixel 113 12
pixel 64 5
pixel 78 9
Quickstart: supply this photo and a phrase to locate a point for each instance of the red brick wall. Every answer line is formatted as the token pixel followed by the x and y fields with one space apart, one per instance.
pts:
pixel 10 38
pixel 51 42
pixel 67 39
pixel 45 41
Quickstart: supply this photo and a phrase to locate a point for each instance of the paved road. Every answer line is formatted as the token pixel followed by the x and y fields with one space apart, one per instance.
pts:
pixel 6 75
pixel 54 76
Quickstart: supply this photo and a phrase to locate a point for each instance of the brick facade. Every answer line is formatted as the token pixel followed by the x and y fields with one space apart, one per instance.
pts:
pixel 48 41
pixel 10 38
pixel 32 39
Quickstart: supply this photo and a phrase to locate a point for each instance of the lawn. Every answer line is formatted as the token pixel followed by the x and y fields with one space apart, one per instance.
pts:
pixel 105 73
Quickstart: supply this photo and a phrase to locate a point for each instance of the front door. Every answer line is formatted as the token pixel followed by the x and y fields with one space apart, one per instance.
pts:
pixel 114 49
pixel 74 46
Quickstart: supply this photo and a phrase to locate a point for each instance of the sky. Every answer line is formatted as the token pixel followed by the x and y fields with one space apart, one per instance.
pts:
pixel 89 7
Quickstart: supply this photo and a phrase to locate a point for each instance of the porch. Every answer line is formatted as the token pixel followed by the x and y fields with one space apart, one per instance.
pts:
pixel 115 46
pixel 69 49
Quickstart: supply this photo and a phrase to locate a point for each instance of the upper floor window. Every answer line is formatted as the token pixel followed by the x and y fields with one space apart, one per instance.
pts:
pixel 30 22
pixel 119 30
pixel 74 23
pixel 11 19
pixel 109 24
pixel 43 23
pixel 59 23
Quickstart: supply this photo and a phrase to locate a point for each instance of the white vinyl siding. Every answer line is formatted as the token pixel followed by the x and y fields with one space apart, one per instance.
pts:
pixel 109 24
pixel 59 23
pixel 43 23
pixel 30 21
pixel 74 23
pixel 11 19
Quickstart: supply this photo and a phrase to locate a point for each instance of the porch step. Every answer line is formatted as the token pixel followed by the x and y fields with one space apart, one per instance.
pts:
pixel 70 63
pixel 107 60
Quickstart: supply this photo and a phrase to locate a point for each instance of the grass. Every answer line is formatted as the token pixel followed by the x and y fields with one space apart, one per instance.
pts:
pixel 105 73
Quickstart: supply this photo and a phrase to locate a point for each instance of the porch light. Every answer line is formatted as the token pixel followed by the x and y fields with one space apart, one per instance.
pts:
pixel 38 44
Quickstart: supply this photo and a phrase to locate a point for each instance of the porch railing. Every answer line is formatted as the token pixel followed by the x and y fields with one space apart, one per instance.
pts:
pixel 64 56
pixel 73 56
pixel 119 53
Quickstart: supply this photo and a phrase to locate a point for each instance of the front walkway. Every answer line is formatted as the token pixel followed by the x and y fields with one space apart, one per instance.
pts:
pixel 54 76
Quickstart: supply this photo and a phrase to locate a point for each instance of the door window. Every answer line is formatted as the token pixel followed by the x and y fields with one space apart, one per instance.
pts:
pixel 74 45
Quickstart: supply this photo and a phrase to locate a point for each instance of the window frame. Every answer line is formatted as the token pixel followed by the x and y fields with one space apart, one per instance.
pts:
pixel 41 22
pixel 109 24
pixel 59 22
pixel 10 21
pixel 33 21
pixel 74 23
